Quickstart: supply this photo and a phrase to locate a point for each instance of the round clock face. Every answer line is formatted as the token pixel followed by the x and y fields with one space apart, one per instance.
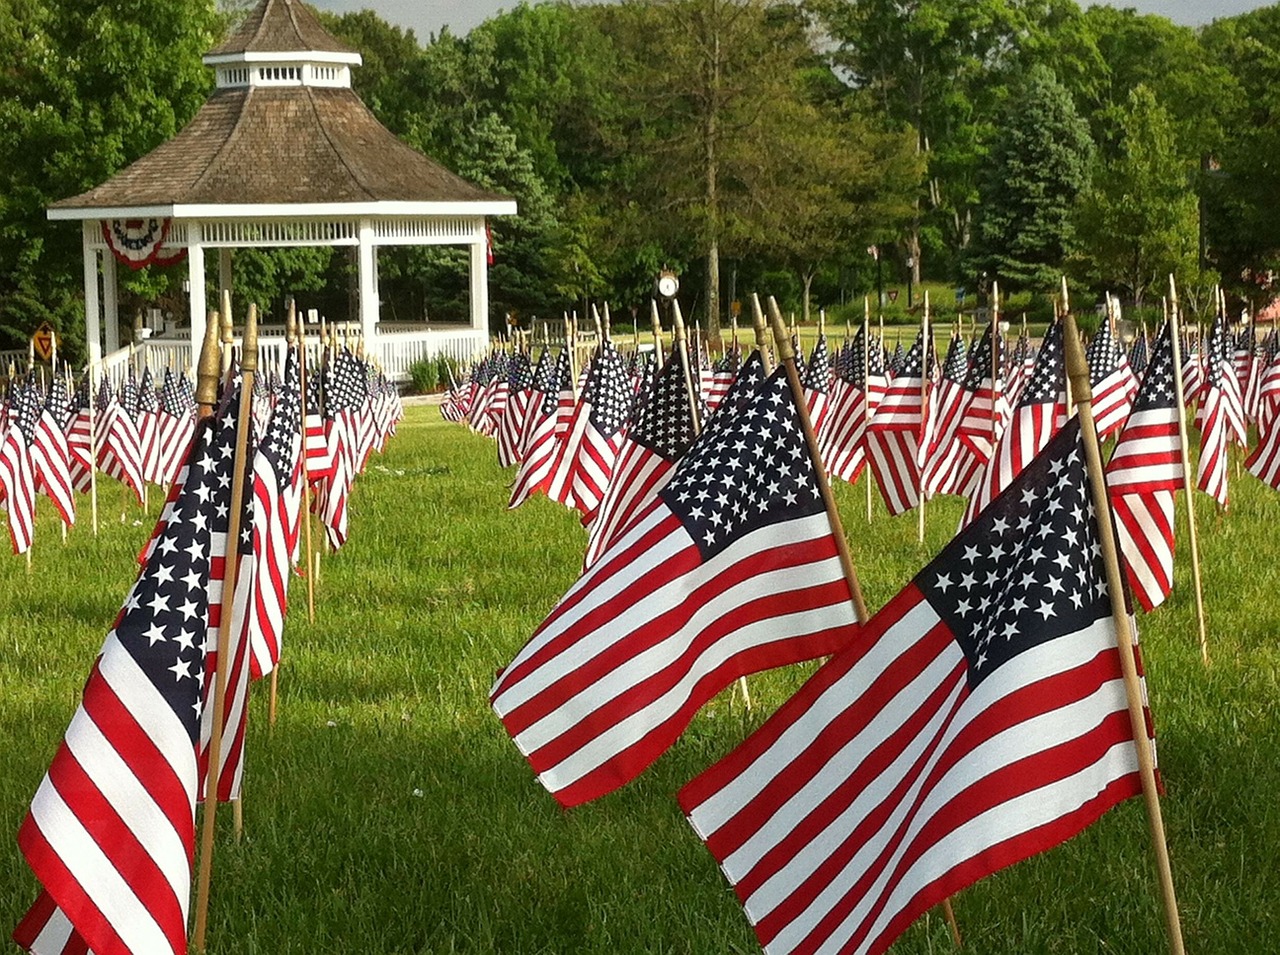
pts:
pixel 668 285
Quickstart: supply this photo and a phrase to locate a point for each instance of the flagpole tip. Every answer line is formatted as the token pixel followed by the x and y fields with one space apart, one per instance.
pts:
pixel 209 368
pixel 249 349
pixel 781 339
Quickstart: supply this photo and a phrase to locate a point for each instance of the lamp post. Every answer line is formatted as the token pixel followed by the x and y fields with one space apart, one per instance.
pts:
pixel 911 265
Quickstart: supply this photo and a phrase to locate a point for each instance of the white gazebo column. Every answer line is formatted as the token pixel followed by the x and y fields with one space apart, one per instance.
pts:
pixel 197 303
pixel 368 290
pixel 110 302
pixel 92 331
pixel 480 280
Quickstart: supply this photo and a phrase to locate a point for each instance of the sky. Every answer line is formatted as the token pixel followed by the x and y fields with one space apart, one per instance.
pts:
pixel 427 17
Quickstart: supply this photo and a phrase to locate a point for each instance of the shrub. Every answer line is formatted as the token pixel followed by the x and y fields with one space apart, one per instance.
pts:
pixel 425 376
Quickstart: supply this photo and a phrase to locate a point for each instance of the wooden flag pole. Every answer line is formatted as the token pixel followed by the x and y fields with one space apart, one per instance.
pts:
pixel 996 341
pixel 761 326
pixel 248 367
pixel 1188 489
pixel 656 321
pixel 681 345
pixel 1078 369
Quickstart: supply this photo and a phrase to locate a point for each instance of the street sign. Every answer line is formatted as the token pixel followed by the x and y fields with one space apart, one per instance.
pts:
pixel 44 342
pixel 893 294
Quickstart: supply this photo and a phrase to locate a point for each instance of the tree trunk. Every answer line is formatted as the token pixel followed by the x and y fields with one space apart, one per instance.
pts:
pixel 711 159
pixel 808 284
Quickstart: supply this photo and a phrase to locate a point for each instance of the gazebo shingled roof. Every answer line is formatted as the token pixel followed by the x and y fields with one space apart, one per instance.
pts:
pixel 245 146
pixel 280 26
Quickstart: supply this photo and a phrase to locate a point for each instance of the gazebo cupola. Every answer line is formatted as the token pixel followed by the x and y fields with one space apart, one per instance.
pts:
pixel 283 153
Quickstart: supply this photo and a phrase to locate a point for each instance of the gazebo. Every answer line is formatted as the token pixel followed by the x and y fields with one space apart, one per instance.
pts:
pixel 283 153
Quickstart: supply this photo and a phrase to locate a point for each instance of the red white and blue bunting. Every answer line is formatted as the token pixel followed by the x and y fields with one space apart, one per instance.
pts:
pixel 140 242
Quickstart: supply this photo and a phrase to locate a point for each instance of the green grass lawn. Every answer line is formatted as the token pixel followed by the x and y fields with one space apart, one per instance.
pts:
pixel 388 812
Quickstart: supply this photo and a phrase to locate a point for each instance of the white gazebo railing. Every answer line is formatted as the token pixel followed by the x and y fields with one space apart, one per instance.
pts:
pixel 396 351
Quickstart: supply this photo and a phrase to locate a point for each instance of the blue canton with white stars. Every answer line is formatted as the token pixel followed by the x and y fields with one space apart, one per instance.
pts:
pixel 609 390
pixel 1029 569
pixel 746 471
pixel 664 423
pixel 1158 385
pixel 162 625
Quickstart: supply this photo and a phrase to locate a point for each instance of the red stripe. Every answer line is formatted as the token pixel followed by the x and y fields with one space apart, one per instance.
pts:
pixel 69 895
pixel 104 823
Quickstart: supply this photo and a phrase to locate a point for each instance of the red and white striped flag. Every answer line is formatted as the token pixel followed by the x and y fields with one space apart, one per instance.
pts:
pixel 50 455
pixel 855 398
pixel 175 426
pixel 944 458
pixel 277 510
pixel 1213 416
pixel 1040 412
pixel 111 831
pixel 980 718
pixel 1144 472
pixel 17 476
pixel 663 430
pixel 731 569
pixel 894 437
pixel 553 386
pixel 520 396
pixel 1111 379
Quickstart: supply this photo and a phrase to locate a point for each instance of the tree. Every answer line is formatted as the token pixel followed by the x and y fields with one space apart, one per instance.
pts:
pixel 1137 222
pixel 84 92
pixel 1039 163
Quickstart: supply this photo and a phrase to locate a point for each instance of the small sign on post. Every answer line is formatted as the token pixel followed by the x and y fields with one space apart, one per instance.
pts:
pixel 43 341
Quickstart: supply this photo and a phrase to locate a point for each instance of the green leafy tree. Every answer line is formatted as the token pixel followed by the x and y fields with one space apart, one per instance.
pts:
pixel 1138 222
pixel 85 92
pixel 1039 163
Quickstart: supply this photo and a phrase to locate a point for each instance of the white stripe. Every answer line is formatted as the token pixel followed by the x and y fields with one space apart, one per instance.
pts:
pixel 101 762
pixel 657 658
pixel 54 935
pixel 128 916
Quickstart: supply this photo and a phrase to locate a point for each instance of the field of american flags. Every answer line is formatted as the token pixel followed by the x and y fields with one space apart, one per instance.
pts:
pixel 412 824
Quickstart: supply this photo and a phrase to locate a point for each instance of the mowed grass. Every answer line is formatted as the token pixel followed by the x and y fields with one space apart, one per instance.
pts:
pixel 388 811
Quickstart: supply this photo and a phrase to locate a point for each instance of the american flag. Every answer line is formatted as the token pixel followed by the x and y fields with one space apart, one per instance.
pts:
pixel 277 494
pixel 1212 417
pixel 119 447
pixel 1264 462
pixel 147 416
pixel 520 396
pixel 662 432
pixel 342 395
pixel 50 455
pixel 175 426
pixel 894 437
pixel 319 458
pixel 817 384
pixel 1144 472
pixel 1040 412
pixel 81 439
pixel 1112 381
pixel 986 410
pixel 731 569
pixel 944 457
pixel 1139 353
pixel 855 397
pixel 588 449
pixel 17 477
pixel 980 719
pixel 552 383
pixel 111 831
